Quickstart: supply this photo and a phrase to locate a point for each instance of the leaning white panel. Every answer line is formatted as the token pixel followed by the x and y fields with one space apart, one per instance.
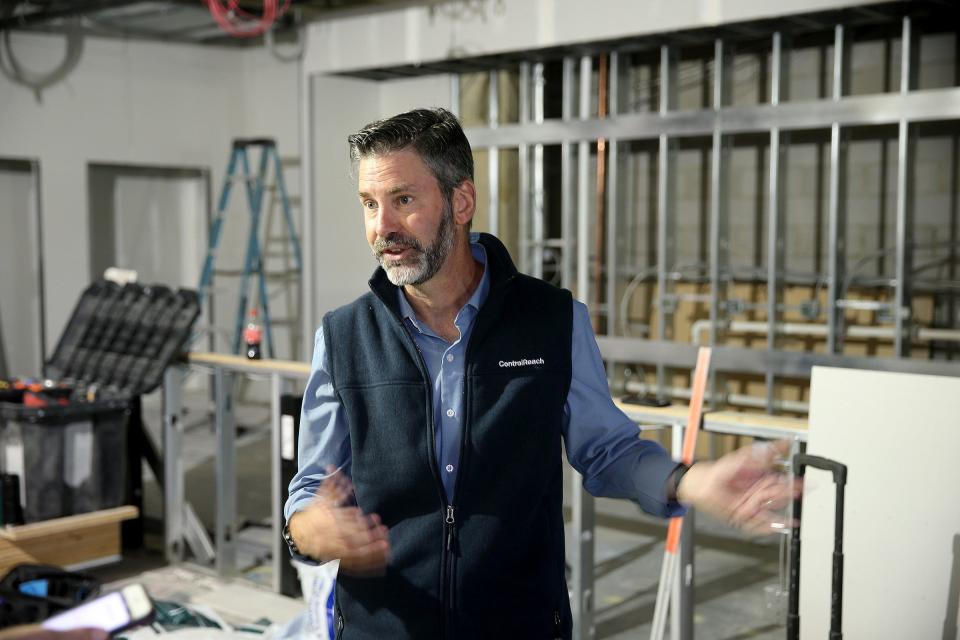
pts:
pixel 899 435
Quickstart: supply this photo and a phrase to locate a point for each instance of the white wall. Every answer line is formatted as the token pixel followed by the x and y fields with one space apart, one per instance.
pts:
pixel 341 259
pixel 134 102
pixel 420 34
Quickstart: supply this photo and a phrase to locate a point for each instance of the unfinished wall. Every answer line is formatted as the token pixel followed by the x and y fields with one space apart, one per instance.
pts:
pixel 139 103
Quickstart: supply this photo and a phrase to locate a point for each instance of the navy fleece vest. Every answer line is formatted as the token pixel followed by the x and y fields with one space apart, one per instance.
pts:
pixel 491 563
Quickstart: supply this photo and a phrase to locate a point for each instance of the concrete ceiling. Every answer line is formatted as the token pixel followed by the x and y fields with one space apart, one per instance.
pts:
pixel 168 20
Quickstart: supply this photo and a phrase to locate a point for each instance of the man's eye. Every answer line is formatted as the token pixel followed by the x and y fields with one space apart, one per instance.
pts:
pixel 404 200
pixel 369 204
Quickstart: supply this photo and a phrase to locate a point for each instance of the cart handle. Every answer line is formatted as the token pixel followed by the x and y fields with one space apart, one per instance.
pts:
pixel 803 460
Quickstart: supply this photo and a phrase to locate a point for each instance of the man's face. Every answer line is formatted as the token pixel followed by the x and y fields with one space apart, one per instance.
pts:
pixel 409 224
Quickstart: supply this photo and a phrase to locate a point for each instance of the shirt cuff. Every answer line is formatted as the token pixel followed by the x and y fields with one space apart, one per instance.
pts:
pixel 658 471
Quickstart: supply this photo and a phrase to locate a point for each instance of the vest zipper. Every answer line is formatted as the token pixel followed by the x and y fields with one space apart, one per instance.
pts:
pixel 446 590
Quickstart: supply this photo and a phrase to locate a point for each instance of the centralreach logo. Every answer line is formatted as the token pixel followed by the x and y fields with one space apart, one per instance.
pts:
pixel 505 364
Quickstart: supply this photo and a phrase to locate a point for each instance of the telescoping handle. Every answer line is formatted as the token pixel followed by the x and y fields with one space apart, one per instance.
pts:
pixel 800 462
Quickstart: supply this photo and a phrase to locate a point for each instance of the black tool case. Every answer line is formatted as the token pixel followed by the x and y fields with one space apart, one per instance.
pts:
pixel 69 453
pixel 800 463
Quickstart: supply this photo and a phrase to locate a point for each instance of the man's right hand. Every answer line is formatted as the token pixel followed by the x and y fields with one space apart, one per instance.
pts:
pixel 329 529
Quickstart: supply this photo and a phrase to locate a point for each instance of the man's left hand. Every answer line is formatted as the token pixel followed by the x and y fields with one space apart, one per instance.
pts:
pixel 742 488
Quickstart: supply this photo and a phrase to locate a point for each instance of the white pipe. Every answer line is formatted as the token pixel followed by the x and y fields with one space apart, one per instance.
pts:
pixel 738 399
pixel 921 334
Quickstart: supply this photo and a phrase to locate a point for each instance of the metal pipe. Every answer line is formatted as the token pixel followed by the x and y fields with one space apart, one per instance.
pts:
pixel 599 233
pixel 922 334
pixel 493 154
pixel 737 399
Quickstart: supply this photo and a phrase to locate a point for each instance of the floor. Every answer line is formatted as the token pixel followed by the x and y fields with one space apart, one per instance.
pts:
pixel 737 580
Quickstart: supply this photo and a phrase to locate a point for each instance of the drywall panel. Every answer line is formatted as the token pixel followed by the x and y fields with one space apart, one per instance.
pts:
pixel 899 436
pixel 438 31
pixel 20 284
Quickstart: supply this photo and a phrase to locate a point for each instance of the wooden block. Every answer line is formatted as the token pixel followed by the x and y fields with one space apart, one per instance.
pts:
pixel 73 540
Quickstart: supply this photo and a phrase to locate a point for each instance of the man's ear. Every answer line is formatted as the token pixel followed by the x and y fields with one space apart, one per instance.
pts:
pixel 464 202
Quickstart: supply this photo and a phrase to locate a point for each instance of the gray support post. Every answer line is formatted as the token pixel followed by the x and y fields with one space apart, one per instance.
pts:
pixel 538 195
pixel 493 154
pixel 308 310
pixel 687 593
pixel 455 94
pixel 611 231
pixel 583 180
pixel 666 181
pixel 226 508
pixel 566 179
pixel 278 552
pixel 582 550
pixel 524 178
pixel 775 248
pixel 836 258
pixel 902 307
pixel 719 247
pixel 173 490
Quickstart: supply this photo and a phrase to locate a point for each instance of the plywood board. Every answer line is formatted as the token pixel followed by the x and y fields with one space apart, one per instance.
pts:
pixel 899 436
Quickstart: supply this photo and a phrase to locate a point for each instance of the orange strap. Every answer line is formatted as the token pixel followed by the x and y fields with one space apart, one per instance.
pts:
pixel 690 435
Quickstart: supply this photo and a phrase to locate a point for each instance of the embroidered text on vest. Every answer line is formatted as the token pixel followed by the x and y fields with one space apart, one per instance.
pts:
pixel 521 363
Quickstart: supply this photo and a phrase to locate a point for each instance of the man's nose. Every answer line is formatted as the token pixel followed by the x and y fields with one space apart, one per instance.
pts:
pixel 386 221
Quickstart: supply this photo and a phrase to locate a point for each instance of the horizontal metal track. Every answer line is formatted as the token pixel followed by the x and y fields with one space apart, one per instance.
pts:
pixel 888 108
pixel 790 364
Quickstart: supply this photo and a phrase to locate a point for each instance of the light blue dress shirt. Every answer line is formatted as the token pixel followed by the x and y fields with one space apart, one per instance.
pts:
pixel 602 443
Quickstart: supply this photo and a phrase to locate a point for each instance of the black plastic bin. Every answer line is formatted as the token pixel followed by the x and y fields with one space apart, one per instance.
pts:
pixel 67 441
pixel 30 593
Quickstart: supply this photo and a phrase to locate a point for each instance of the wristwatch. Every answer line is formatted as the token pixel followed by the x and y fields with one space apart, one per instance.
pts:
pixel 675 477
pixel 288 538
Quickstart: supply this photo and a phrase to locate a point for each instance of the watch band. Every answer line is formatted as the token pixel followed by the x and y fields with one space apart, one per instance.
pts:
pixel 288 538
pixel 679 471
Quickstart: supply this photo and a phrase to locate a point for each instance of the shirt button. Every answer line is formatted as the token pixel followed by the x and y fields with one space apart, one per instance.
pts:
pixel 450 413
pixel 449 357
pixel 449 468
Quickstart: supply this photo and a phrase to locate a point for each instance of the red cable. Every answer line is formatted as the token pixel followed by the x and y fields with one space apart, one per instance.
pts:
pixel 242 24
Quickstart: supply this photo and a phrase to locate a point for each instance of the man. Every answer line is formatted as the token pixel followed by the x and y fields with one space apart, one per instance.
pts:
pixel 430 442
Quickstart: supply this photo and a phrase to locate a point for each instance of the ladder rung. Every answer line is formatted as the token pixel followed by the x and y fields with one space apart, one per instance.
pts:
pixel 289 161
pixel 294 201
pixel 283 322
pixel 228 272
pixel 283 275
pixel 276 254
pixel 241 178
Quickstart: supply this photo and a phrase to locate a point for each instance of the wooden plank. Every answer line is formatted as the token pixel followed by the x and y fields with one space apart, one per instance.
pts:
pixel 239 363
pixel 64 548
pixel 68 523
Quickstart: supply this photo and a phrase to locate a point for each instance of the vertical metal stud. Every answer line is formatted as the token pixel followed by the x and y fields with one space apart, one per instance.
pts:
pixel 582 551
pixel 902 311
pixel 524 178
pixel 583 182
pixel 776 173
pixel 173 490
pixel 278 551
pixel 226 507
pixel 719 243
pixel 493 154
pixel 666 182
pixel 538 195
pixel 613 88
pixel 836 258
pixel 566 186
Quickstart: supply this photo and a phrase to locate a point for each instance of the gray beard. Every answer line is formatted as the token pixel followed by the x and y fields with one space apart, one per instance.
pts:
pixel 424 263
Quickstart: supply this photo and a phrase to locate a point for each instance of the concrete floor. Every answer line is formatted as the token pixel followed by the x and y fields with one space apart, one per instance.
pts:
pixel 735 578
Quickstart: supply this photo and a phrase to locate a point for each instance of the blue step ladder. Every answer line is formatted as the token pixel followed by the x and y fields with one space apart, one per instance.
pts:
pixel 256 185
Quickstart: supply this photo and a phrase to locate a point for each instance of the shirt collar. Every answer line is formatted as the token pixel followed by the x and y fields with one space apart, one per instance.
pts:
pixel 479 295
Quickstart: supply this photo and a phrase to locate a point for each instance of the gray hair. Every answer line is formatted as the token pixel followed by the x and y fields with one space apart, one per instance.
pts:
pixel 434 134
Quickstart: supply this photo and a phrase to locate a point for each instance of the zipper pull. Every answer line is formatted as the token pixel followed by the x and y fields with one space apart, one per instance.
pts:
pixel 450 527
